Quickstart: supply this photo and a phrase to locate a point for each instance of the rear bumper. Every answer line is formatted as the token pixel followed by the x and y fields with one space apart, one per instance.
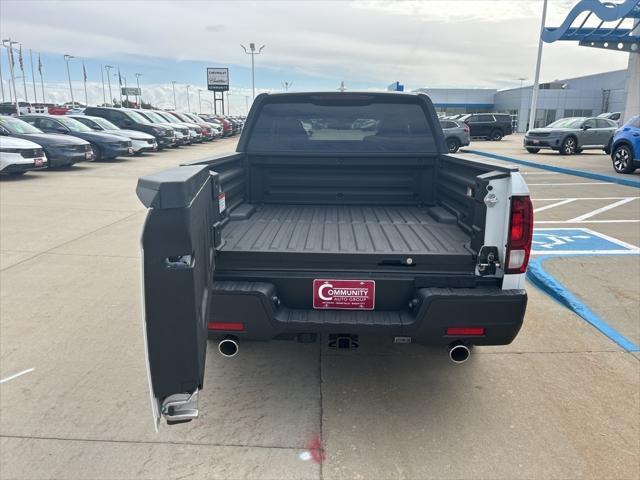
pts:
pixel 258 307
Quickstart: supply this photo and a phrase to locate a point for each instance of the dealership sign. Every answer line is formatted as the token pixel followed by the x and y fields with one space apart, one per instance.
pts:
pixel 218 79
pixel 130 91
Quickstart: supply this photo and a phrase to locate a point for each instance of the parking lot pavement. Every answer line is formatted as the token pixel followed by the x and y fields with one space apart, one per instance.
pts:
pixel 562 401
pixel 616 299
pixel 590 160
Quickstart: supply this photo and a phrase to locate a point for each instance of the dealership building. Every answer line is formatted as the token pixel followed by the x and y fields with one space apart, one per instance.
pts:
pixel 572 97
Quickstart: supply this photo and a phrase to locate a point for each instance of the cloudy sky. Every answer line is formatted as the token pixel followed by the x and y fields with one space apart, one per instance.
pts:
pixel 314 44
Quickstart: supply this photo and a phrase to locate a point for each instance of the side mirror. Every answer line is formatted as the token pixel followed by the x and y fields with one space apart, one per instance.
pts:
pixel 128 122
pixel 586 127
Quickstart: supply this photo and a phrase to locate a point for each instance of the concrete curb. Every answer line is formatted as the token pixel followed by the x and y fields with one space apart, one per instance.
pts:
pixel 548 284
pixel 568 171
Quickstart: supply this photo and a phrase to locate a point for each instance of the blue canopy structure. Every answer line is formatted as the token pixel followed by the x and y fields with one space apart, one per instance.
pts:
pixel 608 34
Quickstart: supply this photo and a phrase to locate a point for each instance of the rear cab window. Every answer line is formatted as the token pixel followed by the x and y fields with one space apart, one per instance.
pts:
pixel 342 123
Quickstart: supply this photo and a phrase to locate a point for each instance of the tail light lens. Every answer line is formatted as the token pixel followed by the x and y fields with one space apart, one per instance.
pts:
pixel 520 234
pixel 466 128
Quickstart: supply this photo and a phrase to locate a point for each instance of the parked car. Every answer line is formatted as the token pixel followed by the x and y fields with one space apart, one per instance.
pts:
pixel 215 128
pixel 105 146
pixel 323 244
pixel 227 127
pixel 492 126
pixel 181 133
pixel 571 135
pixel 625 147
pixel 140 141
pixel 206 128
pixel 615 116
pixel 194 133
pixel 456 134
pixel 214 121
pixel 9 108
pixel 18 156
pixel 132 120
pixel 61 150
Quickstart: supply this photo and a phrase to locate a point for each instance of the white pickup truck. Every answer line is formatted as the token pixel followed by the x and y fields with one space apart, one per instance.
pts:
pixel 340 215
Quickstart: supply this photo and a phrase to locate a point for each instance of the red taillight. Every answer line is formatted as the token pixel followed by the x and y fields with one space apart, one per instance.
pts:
pixel 466 128
pixel 226 326
pixel 520 234
pixel 458 331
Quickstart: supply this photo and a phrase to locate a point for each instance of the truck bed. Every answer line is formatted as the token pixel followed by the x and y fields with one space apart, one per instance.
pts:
pixel 334 236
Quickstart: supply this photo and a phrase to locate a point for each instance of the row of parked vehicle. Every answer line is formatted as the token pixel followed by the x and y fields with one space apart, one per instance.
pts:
pixel 459 129
pixel 36 141
pixel 569 136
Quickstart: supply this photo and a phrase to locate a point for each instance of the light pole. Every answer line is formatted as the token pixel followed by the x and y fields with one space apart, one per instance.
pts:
pixel 188 104
pixel 108 69
pixel 66 59
pixel 210 104
pixel 8 44
pixel 536 81
pixel 287 86
pixel 253 53
pixel 175 104
pixel 138 75
pixel 2 84
pixel 104 95
pixel 522 79
pixel 199 101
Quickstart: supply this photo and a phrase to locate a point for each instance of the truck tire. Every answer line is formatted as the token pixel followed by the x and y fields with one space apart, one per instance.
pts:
pixel 569 145
pixel 622 159
pixel 533 150
pixel 453 144
pixel 496 135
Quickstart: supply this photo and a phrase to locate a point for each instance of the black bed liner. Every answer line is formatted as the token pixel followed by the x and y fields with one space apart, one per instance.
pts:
pixel 367 236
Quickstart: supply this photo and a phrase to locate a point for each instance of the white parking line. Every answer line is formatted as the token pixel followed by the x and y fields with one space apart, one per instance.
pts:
pixel 580 198
pixel 541 173
pixel 601 210
pixel 16 375
pixel 553 205
pixel 586 221
pixel 565 184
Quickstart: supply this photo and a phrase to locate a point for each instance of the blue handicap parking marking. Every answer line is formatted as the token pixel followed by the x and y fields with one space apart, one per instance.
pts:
pixel 577 241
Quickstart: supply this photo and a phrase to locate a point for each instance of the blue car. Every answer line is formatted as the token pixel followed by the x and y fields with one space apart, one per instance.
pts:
pixel 625 147
pixel 105 146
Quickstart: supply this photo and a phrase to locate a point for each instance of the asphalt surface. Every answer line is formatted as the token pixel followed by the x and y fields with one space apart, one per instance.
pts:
pixel 562 401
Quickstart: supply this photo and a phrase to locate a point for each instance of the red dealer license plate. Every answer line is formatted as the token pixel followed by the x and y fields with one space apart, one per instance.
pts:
pixel 344 294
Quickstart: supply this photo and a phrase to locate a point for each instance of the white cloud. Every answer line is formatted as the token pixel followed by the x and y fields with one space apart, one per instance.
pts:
pixel 431 43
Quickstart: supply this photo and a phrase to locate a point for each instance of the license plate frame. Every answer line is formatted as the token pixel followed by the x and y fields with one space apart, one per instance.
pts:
pixel 344 294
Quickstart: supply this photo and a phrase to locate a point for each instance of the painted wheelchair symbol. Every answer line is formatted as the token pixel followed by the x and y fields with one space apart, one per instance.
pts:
pixel 577 241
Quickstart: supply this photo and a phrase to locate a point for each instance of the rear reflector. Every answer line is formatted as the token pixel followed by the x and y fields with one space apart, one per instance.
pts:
pixel 465 331
pixel 227 326
pixel 520 235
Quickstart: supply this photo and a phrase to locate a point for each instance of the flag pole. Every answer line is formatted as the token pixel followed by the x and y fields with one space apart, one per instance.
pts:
pixel 33 77
pixel 24 79
pixel 84 74
pixel 44 100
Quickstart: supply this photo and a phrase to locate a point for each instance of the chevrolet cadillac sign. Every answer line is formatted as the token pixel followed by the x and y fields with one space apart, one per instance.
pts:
pixel 218 79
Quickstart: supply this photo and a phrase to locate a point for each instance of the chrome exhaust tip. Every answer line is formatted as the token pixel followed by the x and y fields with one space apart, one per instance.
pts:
pixel 459 352
pixel 228 347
